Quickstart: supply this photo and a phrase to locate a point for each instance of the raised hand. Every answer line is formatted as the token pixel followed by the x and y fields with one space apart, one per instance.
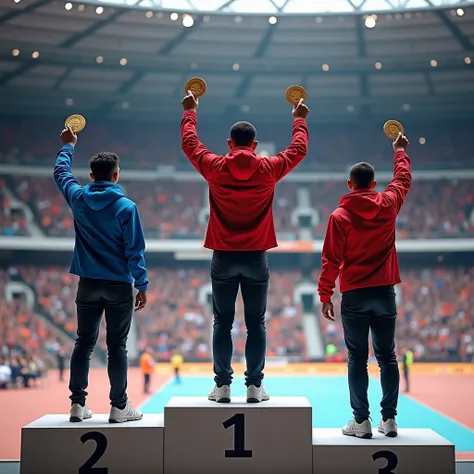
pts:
pixel 300 110
pixel 190 102
pixel 68 137
pixel 401 143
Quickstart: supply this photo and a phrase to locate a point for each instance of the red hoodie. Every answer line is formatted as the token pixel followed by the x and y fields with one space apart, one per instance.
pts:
pixel 241 187
pixel 359 246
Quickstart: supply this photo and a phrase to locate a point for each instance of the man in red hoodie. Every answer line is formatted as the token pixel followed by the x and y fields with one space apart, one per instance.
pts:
pixel 359 248
pixel 240 231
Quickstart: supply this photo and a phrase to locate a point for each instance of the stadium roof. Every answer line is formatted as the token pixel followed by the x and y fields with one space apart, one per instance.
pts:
pixel 58 57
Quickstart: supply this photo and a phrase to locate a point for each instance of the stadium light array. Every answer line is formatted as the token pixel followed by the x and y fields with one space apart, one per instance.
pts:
pixel 188 21
pixel 433 63
pixel 272 20
pixel 16 52
pixel 68 6
pixel 467 60
pixel 123 62
pixel 174 16
pixel 149 14
pixel 35 55
pixel 17 1
pixel 378 65
pixel 99 10
pixel 325 67
pixel 460 12
pixel 236 66
pixel 81 8
pixel 422 140
pixel 99 59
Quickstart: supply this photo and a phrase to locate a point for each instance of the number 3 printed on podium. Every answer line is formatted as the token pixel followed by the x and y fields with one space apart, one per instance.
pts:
pixel 392 461
pixel 239 450
pixel 100 448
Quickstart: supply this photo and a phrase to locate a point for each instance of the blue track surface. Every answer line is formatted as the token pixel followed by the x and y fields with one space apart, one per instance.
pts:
pixel 329 397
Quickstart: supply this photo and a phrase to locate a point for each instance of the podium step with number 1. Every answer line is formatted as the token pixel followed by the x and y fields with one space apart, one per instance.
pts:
pixel 271 437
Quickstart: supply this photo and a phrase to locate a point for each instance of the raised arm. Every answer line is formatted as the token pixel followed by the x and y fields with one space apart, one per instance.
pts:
pixel 286 161
pixel 66 182
pixel 398 188
pixel 199 156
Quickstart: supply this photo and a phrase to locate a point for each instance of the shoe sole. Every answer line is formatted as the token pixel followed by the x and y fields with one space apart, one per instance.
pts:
pixel 125 420
pixel 220 400
pixel 78 419
pixel 362 436
pixel 257 400
pixel 390 434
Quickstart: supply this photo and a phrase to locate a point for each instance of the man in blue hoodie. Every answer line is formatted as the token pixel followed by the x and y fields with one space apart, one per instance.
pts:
pixel 108 257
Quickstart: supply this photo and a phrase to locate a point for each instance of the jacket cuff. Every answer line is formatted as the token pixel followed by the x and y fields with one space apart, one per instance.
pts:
pixel 324 298
pixel 142 287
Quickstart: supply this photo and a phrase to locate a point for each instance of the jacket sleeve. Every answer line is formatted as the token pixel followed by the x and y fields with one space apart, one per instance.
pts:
pixel 65 181
pixel 199 156
pixel 398 188
pixel 287 160
pixel 135 248
pixel 333 252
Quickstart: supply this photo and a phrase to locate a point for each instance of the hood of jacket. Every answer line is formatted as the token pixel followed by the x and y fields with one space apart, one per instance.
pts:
pixel 364 203
pixel 242 163
pixel 99 194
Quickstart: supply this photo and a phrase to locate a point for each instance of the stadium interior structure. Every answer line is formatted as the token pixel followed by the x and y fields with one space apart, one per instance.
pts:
pixel 123 65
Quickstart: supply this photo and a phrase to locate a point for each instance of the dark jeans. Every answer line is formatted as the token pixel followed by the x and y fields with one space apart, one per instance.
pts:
pixel 93 297
pixel 249 270
pixel 372 308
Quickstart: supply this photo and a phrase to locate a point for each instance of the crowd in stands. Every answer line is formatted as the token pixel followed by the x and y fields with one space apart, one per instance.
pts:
pixel 28 344
pixel 435 315
pixel 171 210
pixel 12 220
pixel 148 145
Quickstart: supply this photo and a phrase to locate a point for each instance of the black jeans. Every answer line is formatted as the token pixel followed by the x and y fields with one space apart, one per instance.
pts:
pixel 93 297
pixel 373 308
pixel 249 270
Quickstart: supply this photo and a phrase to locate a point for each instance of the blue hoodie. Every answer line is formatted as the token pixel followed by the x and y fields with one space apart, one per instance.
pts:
pixel 109 236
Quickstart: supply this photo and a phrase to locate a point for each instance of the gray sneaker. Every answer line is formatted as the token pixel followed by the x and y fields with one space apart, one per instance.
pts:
pixel 359 430
pixel 220 394
pixel 79 413
pixel 127 414
pixel 257 394
pixel 388 428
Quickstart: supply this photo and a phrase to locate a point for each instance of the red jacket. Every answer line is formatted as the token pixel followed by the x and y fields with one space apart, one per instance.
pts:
pixel 359 246
pixel 241 187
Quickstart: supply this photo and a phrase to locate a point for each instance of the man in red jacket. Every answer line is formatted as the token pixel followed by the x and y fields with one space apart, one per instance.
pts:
pixel 359 248
pixel 240 231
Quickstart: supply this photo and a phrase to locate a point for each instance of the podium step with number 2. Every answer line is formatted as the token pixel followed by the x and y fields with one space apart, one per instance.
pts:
pixel 272 437
pixel 53 445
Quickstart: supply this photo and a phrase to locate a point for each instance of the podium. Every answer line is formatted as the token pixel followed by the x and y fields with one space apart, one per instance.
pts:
pixel 413 451
pixel 53 445
pixel 273 437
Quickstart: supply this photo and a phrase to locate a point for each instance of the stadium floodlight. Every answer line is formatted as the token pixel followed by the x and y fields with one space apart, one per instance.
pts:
pixel 277 8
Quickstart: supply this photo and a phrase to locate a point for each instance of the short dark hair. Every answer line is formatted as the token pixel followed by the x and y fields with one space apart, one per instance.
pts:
pixel 104 165
pixel 243 133
pixel 362 175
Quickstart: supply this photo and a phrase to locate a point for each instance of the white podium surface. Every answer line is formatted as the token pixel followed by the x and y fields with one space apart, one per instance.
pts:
pixel 53 445
pixel 413 451
pixel 271 437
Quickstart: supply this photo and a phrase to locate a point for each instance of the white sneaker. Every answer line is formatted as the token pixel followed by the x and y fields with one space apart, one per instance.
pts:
pixel 79 413
pixel 360 430
pixel 126 414
pixel 257 394
pixel 220 394
pixel 388 428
